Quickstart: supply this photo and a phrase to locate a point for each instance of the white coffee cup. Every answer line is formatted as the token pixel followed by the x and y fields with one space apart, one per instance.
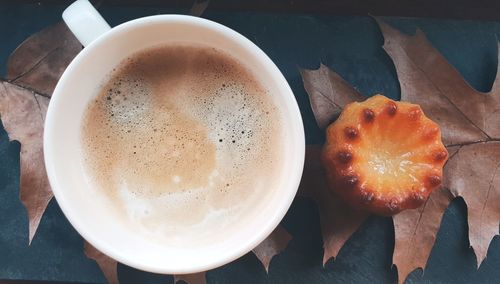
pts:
pixel 104 49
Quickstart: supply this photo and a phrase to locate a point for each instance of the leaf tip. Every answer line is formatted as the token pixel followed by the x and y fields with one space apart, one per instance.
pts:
pixel 480 256
pixel 30 237
pixel 381 23
pixel 326 258
pixel 387 31
pixel 274 244
pixel 199 7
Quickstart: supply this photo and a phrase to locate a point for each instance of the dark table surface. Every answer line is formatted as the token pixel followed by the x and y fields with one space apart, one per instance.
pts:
pixel 350 45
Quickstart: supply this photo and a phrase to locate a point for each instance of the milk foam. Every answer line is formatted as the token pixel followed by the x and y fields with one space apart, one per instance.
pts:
pixel 182 137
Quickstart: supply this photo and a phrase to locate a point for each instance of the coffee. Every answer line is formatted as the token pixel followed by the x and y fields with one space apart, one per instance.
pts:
pixel 182 137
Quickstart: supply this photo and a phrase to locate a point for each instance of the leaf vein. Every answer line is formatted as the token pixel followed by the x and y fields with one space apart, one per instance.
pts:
pixel 441 93
pixel 36 64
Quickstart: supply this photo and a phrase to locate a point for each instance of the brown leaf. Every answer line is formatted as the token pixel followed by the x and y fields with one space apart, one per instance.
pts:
pixel 474 173
pixel 199 7
pixel 196 278
pixel 415 233
pixel 466 117
pixel 23 114
pixel 415 230
pixel 107 265
pixel 464 114
pixel 40 60
pixel 275 243
pixel 36 64
pixel 328 94
pixel 338 221
pixel 418 226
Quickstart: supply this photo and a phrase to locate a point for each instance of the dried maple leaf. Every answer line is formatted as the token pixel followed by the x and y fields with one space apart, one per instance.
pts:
pixel 275 243
pixel 415 230
pixel 107 265
pixel 468 118
pixel 470 124
pixel 196 278
pixel 338 221
pixel 23 114
pixel 40 60
pixel 36 65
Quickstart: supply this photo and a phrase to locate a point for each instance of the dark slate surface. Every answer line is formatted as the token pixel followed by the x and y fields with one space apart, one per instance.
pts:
pixel 350 45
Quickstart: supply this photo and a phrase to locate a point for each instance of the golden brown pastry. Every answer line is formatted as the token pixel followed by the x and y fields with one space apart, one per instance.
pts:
pixel 384 156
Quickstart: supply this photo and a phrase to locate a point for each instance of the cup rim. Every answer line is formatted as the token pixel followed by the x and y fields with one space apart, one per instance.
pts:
pixel 279 210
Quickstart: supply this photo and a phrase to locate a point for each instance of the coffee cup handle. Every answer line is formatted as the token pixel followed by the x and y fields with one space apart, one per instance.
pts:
pixel 84 21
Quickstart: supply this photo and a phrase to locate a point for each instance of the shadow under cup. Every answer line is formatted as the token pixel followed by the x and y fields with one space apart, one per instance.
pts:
pixel 94 218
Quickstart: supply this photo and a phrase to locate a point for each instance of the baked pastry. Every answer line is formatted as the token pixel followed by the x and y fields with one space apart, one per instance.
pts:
pixel 383 156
